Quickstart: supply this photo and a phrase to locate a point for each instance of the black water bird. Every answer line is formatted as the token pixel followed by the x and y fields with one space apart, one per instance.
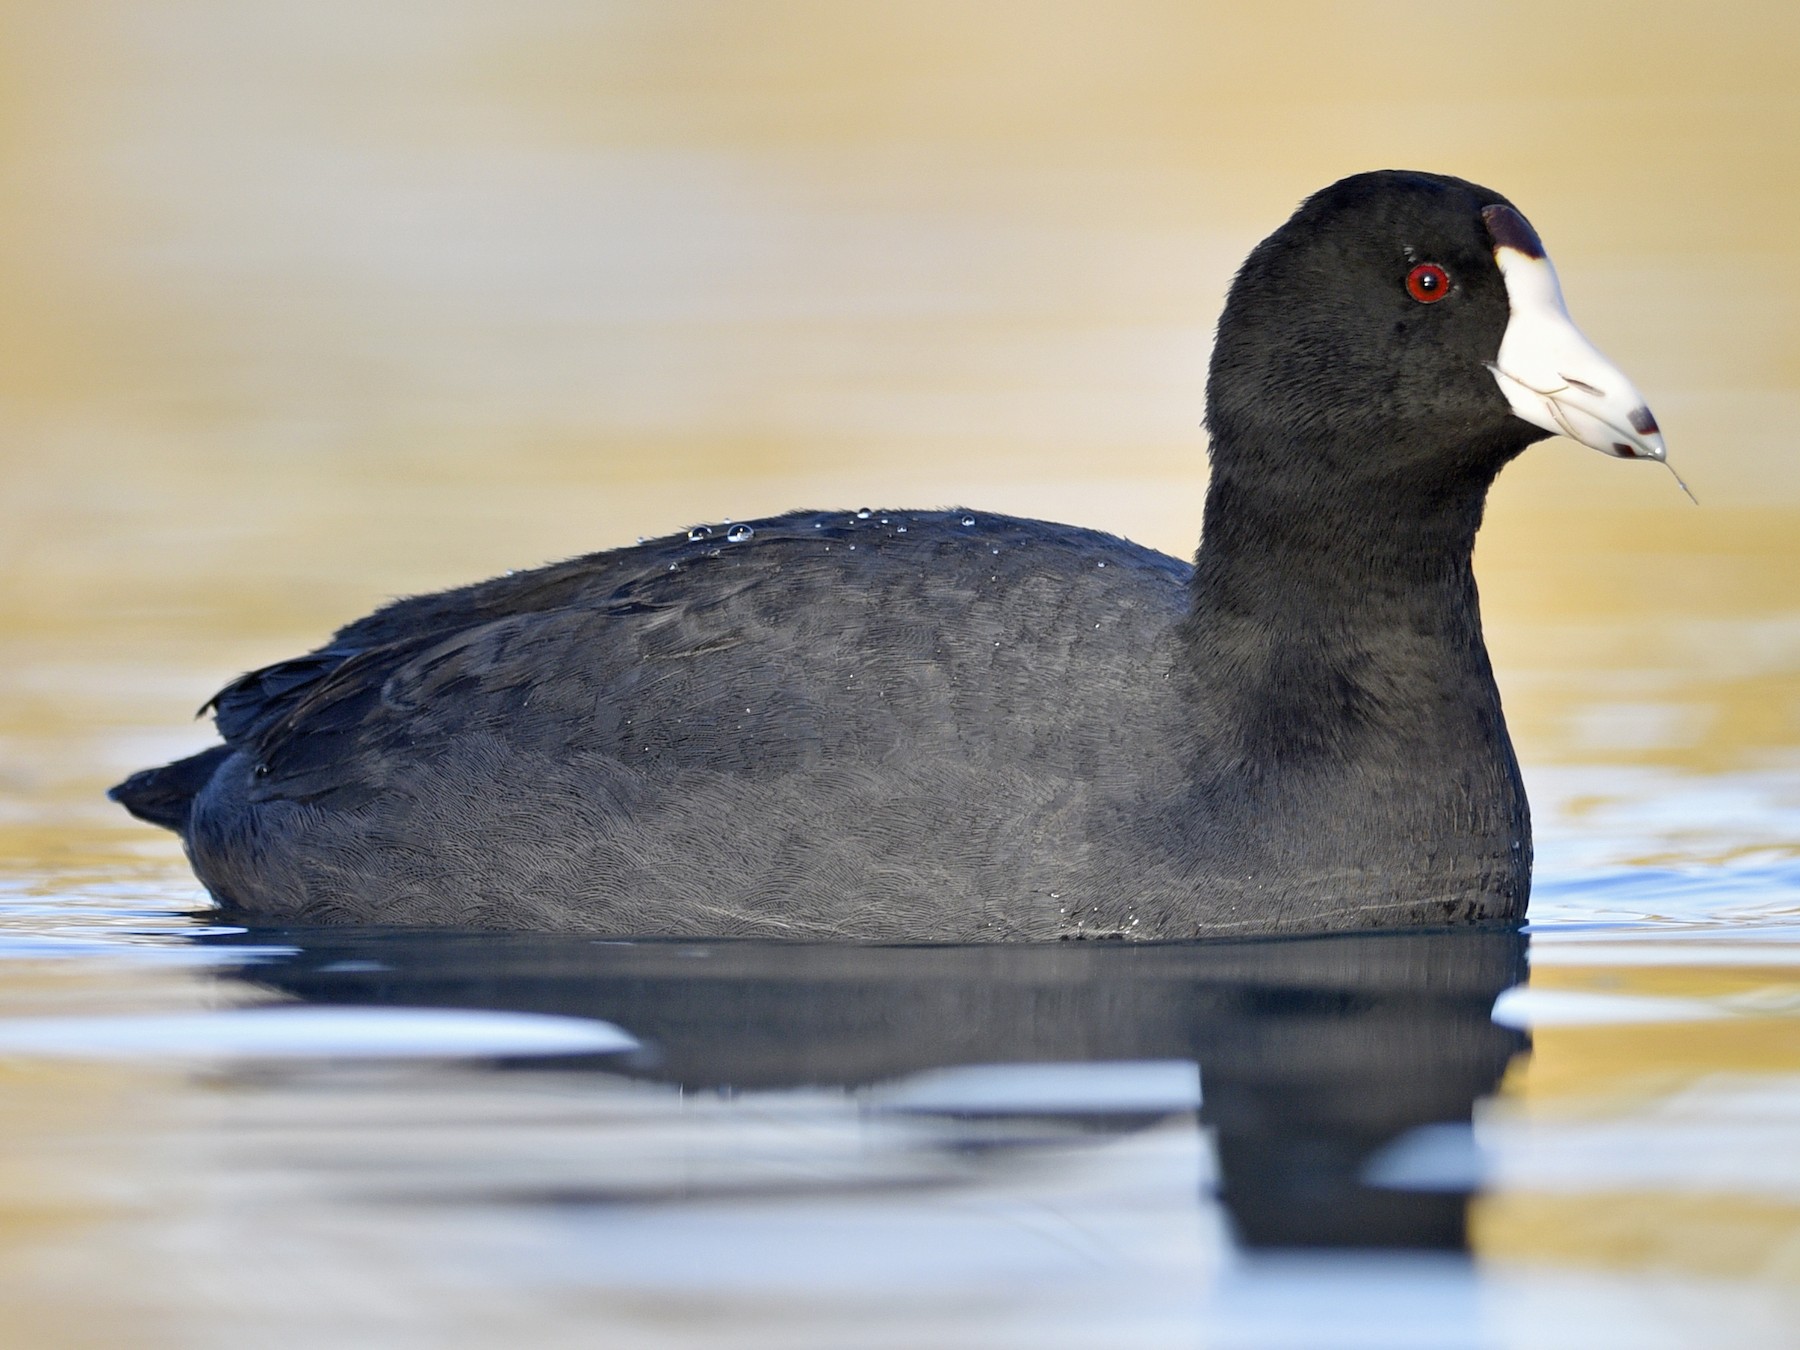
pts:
pixel 960 726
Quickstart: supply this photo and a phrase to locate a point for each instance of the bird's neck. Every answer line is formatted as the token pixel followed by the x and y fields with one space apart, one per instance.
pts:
pixel 1340 625
pixel 1338 683
pixel 1314 561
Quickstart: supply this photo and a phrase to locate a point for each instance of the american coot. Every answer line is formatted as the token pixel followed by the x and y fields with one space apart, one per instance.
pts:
pixel 956 725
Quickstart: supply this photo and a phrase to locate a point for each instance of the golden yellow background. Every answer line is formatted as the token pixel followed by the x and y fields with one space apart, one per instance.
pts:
pixel 307 305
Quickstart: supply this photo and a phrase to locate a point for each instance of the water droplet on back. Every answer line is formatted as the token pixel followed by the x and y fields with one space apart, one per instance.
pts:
pixel 864 514
pixel 700 532
pixel 968 520
pixel 738 533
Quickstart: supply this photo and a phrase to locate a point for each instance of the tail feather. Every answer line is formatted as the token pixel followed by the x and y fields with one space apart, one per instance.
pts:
pixel 165 795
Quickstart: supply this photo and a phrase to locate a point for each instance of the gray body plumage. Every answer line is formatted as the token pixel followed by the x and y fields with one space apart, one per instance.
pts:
pixel 957 726
pixel 838 727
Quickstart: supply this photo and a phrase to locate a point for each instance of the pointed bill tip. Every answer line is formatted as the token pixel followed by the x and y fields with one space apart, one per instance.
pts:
pixel 1548 371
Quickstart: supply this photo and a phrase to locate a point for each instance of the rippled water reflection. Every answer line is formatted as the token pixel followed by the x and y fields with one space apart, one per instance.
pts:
pixel 1071 1144
pixel 311 306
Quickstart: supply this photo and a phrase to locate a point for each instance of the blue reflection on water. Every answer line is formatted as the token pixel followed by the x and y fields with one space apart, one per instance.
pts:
pixel 1257 1142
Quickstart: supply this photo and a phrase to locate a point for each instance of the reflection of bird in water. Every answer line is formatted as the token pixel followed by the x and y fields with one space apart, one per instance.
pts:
pixel 1314 1053
pixel 959 726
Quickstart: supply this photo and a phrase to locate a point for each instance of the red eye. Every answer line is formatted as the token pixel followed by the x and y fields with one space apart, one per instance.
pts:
pixel 1427 283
